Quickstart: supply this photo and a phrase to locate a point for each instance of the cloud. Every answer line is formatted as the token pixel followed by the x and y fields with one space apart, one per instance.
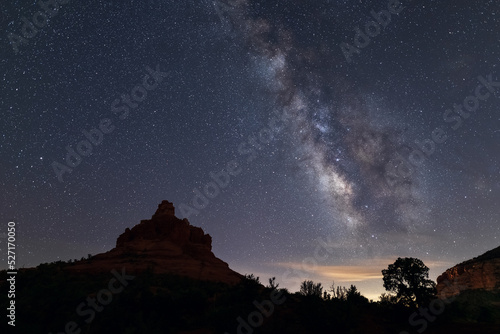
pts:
pixel 351 273
pixel 360 271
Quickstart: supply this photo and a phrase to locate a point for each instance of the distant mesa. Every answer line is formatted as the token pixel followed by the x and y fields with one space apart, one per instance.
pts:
pixel 482 272
pixel 164 244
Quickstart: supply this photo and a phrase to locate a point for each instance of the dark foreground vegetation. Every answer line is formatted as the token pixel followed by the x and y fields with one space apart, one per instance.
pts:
pixel 51 300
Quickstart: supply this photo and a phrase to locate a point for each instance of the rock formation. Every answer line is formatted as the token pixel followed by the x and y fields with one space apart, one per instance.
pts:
pixel 482 272
pixel 164 244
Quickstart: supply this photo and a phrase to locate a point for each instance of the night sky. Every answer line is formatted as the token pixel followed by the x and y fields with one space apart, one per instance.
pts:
pixel 371 128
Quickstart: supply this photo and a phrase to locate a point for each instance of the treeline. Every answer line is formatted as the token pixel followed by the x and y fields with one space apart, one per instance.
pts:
pixel 48 298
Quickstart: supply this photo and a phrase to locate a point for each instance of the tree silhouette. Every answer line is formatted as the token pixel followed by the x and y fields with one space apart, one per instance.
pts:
pixel 252 278
pixel 409 279
pixel 309 288
pixel 354 296
pixel 339 292
pixel 386 299
pixel 272 283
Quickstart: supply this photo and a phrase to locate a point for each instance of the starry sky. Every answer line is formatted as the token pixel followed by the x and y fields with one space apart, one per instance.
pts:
pixel 311 139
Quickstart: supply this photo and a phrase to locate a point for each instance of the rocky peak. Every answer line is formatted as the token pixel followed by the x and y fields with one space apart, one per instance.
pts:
pixel 165 209
pixel 164 226
pixel 164 244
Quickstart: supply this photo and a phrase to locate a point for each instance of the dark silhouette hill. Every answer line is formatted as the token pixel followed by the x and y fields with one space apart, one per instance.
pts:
pixel 163 244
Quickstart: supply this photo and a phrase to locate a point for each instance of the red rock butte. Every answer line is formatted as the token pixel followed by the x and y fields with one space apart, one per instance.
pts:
pixel 164 244
pixel 480 273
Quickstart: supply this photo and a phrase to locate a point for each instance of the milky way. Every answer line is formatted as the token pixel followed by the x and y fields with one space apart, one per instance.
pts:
pixel 337 141
pixel 277 126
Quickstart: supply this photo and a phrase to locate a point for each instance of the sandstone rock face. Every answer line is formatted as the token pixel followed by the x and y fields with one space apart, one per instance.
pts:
pixel 482 272
pixel 164 244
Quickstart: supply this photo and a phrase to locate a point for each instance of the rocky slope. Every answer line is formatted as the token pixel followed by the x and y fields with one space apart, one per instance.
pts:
pixel 482 272
pixel 163 244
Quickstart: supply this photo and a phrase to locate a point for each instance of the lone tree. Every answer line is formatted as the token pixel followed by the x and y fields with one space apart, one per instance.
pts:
pixel 409 279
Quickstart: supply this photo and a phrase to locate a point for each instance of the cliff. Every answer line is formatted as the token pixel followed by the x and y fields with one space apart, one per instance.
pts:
pixel 482 272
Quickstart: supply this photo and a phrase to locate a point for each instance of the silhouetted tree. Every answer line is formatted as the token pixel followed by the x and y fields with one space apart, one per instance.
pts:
pixel 409 279
pixel 251 277
pixel 309 288
pixel 387 298
pixel 272 283
pixel 354 296
pixel 326 295
pixel 339 292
